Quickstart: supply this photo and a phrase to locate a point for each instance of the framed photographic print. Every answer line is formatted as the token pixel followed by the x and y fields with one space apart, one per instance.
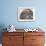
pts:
pixel 26 14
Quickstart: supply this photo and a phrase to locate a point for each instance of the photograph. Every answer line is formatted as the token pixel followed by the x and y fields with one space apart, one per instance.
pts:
pixel 26 14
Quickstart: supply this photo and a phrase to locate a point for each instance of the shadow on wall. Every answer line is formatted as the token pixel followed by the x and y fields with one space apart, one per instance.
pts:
pixel 2 26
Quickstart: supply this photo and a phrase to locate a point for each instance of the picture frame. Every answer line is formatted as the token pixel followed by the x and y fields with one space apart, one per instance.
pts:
pixel 26 14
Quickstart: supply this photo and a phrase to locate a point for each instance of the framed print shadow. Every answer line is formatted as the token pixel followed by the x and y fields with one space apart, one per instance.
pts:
pixel 26 14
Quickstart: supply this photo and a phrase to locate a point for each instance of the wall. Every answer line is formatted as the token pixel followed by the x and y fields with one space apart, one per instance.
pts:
pixel 8 13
